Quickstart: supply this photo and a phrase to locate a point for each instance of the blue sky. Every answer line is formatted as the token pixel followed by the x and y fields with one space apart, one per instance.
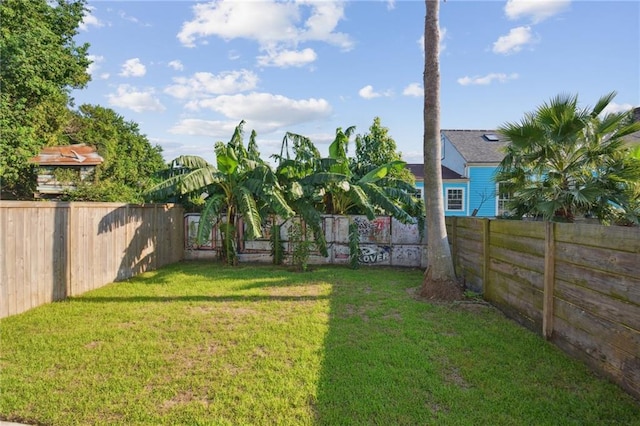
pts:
pixel 188 71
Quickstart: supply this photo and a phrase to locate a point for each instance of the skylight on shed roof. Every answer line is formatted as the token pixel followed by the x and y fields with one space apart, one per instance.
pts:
pixel 491 137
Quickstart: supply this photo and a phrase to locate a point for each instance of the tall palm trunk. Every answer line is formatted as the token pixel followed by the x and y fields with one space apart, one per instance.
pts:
pixel 440 264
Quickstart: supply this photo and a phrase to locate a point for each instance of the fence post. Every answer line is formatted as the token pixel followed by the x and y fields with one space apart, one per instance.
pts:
pixel 485 252
pixel 454 240
pixel 549 280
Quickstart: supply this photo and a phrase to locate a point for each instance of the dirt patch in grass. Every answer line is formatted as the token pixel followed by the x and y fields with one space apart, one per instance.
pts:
pixel 183 398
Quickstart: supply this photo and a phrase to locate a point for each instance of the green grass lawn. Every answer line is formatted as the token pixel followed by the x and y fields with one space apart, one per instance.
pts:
pixel 201 343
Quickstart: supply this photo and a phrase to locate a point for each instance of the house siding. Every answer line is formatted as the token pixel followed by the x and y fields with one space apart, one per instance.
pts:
pixel 451 158
pixel 482 185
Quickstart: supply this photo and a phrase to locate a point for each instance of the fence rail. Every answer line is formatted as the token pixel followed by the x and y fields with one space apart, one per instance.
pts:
pixel 576 284
pixel 52 250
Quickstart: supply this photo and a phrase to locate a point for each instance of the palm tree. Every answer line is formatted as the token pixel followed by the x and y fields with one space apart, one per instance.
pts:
pixel 440 278
pixel 564 161
pixel 241 186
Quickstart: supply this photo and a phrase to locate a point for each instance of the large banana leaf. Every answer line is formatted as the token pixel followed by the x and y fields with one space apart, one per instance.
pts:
pixel 249 210
pixel 382 171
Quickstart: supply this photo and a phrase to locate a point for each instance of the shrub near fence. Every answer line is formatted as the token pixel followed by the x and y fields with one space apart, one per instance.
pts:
pixel 51 250
pixel 576 284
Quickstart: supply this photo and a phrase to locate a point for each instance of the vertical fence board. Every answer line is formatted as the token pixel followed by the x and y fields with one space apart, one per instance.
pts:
pixel 53 250
pixel 549 279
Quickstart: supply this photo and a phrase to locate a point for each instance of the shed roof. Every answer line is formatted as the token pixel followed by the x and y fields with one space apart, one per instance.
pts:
pixel 68 155
pixel 478 146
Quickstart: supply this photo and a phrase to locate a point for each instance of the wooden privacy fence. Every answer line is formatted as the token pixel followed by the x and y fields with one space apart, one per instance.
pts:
pixel 52 250
pixel 576 284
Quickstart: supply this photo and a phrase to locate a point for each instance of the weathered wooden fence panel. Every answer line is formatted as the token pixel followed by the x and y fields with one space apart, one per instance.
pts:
pixel 49 250
pixel 576 284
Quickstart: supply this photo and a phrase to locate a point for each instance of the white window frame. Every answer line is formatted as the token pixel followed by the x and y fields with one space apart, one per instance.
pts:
pixel 500 212
pixel 462 200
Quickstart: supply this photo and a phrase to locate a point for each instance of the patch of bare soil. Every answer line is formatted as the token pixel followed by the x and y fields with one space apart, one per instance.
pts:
pixel 440 290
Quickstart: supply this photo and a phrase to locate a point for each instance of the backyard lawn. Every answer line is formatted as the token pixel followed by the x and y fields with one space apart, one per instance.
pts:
pixel 202 343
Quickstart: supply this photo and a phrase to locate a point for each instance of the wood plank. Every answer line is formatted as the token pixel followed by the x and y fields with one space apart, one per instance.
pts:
pixel 4 278
pixel 627 377
pixel 468 246
pixel 470 223
pixel 486 249
pixel 518 228
pixel 549 278
pixel 525 299
pixel 617 286
pixel 465 234
pixel 599 338
pixel 598 304
pixel 619 238
pixel 603 259
pixel 472 261
pixel 522 260
pixel 30 243
pixel 20 232
pixel 609 343
pixel 519 243
pixel 526 276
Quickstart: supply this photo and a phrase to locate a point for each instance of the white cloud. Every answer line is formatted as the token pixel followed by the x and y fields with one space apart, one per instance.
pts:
pixel 95 63
pixel 129 18
pixel 204 83
pixel 133 68
pixel 136 100
pixel 513 41
pixel 487 79
pixel 176 65
pixel 266 111
pixel 104 76
pixel 287 58
pixel 537 10
pixel 367 92
pixel 414 89
pixel 613 108
pixel 90 20
pixel 198 127
pixel 269 23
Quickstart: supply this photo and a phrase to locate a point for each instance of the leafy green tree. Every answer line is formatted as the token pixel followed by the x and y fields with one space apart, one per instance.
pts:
pixel 375 148
pixel 40 64
pixel 241 186
pixel 440 278
pixel 130 161
pixel 564 161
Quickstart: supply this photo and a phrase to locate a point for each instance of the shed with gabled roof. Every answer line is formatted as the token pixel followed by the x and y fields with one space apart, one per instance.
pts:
pixel 59 167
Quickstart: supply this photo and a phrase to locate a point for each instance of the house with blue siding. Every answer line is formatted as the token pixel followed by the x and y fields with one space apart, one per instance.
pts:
pixel 470 159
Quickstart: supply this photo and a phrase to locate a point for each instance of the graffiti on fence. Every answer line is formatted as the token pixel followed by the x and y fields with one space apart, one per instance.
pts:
pixel 376 254
pixel 373 231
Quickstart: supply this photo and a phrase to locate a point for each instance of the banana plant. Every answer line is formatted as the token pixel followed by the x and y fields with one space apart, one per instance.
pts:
pixel 241 185
pixel 328 185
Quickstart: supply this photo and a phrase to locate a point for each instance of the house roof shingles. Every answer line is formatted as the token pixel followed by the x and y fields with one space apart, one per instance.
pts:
pixel 418 171
pixel 473 146
pixel 68 155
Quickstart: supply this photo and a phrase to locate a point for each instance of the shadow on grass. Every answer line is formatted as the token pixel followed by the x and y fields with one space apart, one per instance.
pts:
pixel 220 299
